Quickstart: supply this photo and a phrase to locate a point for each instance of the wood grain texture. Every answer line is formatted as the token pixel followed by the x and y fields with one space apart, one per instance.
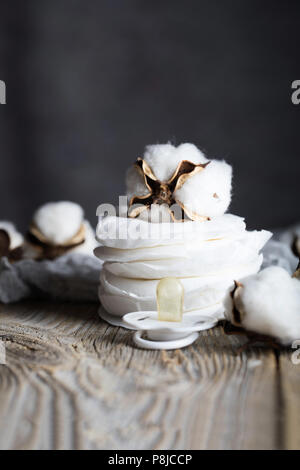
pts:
pixel 289 380
pixel 73 382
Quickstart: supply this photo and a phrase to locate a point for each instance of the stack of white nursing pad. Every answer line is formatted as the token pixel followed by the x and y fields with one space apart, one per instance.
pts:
pixel 207 257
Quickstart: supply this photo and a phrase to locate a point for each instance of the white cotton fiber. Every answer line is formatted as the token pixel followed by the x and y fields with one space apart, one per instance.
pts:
pixel 59 221
pixel 208 193
pixel 269 304
pixel 163 159
pixel 16 238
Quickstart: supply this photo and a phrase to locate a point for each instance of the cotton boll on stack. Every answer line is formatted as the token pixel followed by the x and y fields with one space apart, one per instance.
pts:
pixel 58 228
pixel 267 304
pixel 206 249
pixel 182 175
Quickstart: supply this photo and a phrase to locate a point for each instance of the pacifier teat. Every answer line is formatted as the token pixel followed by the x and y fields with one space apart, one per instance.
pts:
pixel 169 297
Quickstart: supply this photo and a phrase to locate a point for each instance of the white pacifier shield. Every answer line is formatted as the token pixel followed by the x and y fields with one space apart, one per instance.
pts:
pixel 148 321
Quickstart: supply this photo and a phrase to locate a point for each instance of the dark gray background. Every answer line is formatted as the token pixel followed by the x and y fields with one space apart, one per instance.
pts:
pixel 89 83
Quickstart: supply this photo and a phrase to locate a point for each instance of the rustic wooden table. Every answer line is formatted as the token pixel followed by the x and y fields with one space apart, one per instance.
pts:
pixel 73 382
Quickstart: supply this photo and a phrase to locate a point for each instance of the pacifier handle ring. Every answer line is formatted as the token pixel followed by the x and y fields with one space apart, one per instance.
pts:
pixel 160 345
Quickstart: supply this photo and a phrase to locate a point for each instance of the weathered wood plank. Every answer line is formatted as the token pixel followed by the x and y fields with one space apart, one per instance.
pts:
pixel 289 380
pixel 72 381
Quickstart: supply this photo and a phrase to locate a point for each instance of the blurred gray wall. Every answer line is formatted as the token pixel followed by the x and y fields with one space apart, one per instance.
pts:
pixel 89 83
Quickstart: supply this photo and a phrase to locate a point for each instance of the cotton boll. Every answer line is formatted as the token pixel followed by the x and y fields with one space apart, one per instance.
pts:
pixel 268 303
pixel 16 238
pixel 208 193
pixel 203 192
pixel 59 228
pixel 59 221
pixel 164 159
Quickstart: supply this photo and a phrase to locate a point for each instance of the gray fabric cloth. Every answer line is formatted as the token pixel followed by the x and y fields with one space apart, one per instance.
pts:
pixel 73 277
pixel 287 236
pixel 278 252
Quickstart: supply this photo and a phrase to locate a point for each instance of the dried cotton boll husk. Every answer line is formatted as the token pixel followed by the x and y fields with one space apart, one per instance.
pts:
pixel 267 304
pixel 182 176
